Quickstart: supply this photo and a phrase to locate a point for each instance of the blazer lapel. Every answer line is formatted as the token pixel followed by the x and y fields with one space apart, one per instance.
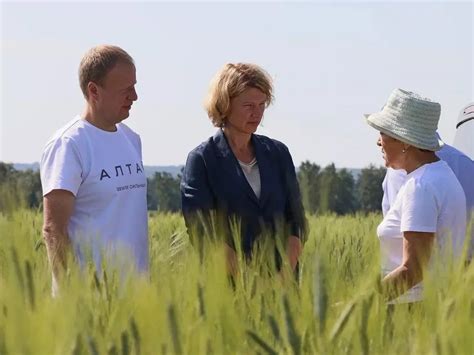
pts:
pixel 228 162
pixel 264 162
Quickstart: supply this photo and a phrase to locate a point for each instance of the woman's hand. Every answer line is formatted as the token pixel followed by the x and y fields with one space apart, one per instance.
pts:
pixel 417 247
pixel 293 249
pixel 231 259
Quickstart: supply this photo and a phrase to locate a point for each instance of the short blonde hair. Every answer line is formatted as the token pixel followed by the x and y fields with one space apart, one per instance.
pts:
pixel 231 81
pixel 97 62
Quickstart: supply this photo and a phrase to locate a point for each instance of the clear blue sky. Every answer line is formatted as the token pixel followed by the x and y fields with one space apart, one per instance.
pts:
pixel 331 63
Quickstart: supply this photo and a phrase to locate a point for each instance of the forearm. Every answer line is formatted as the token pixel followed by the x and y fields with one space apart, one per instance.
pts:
pixel 416 253
pixel 57 209
pixel 58 247
pixel 399 281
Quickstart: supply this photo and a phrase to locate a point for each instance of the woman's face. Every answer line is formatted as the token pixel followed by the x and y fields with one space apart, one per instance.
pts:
pixel 392 150
pixel 246 111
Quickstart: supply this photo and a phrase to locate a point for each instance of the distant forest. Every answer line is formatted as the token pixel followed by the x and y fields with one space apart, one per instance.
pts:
pixel 323 190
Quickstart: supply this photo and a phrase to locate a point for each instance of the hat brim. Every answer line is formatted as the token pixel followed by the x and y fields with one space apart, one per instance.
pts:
pixel 371 118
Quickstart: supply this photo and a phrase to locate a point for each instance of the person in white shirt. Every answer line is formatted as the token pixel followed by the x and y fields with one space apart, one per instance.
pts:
pixel 92 175
pixel 461 165
pixel 428 215
pixel 464 138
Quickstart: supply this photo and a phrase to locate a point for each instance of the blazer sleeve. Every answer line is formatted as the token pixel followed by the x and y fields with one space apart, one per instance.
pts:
pixel 195 190
pixel 197 200
pixel 294 210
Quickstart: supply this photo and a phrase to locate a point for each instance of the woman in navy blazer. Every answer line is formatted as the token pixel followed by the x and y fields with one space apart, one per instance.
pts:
pixel 238 175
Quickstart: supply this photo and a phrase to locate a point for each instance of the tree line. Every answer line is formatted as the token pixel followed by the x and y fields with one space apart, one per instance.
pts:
pixel 323 190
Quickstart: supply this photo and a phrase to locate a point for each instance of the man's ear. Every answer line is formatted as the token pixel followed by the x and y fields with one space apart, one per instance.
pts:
pixel 93 91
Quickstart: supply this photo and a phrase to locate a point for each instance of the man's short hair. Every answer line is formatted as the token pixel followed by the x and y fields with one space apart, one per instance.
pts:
pixel 97 62
pixel 231 81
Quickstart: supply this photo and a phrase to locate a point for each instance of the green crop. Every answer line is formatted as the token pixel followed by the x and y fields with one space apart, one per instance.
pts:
pixel 187 303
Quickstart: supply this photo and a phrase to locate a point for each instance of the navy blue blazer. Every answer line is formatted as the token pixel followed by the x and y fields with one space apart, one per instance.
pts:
pixel 214 181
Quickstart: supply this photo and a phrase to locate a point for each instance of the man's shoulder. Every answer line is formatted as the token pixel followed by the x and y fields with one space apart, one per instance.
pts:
pixel 451 154
pixel 70 131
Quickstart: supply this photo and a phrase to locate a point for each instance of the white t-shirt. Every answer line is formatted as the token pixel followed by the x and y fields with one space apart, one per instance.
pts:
pixel 391 184
pixel 105 173
pixel 460 164
pixel 432 201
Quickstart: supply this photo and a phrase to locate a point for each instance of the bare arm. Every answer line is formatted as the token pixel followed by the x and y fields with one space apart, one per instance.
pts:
pixel 58 206
pixel 417 247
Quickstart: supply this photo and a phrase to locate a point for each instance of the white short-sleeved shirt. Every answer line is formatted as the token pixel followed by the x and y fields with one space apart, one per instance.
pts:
pixel 431 200
pixel 392 183
pixel 460 164
pixel 105 173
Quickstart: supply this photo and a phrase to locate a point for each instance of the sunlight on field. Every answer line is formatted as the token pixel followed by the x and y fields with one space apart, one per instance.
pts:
pixel 185 307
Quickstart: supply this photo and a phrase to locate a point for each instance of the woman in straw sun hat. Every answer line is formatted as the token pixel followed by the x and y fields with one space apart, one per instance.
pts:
pixel 429 212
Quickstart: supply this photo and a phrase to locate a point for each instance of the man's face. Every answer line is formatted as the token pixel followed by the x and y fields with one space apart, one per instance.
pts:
pixel 117 94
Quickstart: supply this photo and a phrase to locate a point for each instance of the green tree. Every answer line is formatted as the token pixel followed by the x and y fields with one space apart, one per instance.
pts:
pixel 369 188
pixel 345 201
pixel 308 177
pixel 6 172
pixel 11 195
pixel 29 185
pixel 163 192
pixel 328 189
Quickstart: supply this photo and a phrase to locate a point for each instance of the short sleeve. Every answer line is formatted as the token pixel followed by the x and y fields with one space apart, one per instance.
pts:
pixel 419 209
pixel 61 166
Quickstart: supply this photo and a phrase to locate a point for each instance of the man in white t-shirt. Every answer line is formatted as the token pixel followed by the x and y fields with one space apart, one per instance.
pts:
pixel 94 185
pixel 460 164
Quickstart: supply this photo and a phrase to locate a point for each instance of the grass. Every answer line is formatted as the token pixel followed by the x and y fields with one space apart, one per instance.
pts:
pixel 185 307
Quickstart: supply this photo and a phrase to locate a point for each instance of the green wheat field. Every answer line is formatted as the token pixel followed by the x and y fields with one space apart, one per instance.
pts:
pixel 187 304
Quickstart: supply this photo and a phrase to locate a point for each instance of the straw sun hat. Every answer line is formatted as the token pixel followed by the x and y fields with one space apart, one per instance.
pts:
pixel 409 118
